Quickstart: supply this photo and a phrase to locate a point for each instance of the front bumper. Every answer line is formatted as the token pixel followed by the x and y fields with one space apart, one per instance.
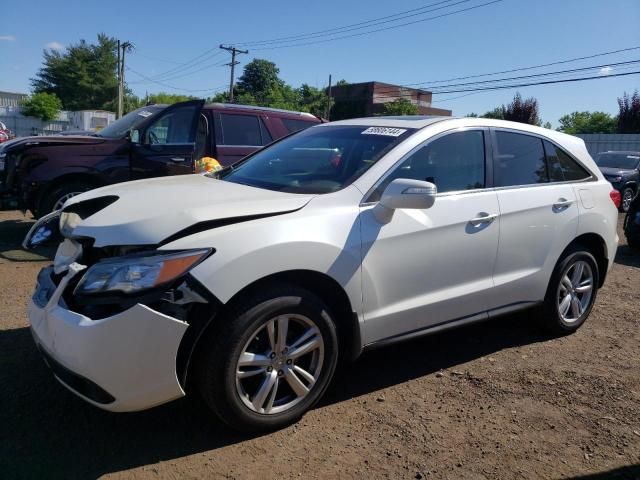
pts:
pixel 125 362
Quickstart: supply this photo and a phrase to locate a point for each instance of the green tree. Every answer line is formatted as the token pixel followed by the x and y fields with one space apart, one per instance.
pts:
pixel 588 122
pixel 629 116
pixel 83 76
pixel 523 111
pixel 401 106
pixel 497 113
pixel 168 98
pixel 313 100
pixel 44 106
pixel 259 79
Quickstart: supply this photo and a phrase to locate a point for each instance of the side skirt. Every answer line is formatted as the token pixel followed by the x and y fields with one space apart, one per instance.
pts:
pixel 451 324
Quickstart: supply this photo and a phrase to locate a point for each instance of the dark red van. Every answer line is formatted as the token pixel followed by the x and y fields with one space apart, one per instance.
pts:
pixel 41 173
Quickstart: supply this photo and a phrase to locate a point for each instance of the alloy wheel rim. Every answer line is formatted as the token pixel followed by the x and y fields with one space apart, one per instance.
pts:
pixel 61 201
pixel 279 364
pixel 575 291
pixel 626 200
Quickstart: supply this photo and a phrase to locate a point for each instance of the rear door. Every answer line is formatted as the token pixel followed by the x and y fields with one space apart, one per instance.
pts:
pixel 169 143
pixel 238 134
pixel 538 217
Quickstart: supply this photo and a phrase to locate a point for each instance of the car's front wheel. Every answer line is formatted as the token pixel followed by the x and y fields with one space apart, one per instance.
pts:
pixel 269 360
pixel 571 292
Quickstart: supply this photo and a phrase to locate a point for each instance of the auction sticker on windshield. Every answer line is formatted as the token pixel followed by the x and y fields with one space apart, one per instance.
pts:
pixel 386 131
pixel 145 113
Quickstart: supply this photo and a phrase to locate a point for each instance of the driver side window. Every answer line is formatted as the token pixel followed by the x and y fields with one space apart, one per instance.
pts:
pixel 453 162
pixel 172 127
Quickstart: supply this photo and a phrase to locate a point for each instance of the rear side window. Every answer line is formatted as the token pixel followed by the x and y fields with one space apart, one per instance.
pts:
pixel 240 130
pixel 562 168
pixel 294 125
pixel 520 160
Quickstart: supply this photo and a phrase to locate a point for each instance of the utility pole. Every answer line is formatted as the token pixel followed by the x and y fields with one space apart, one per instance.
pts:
pixel 119 83
pixel 125 46
pixel 234 51
pixel 328 112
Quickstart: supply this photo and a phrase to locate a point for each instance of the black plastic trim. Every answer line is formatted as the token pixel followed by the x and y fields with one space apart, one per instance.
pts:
pixel 221 222
pixel 75 382
pixel 89 207
pixel 199 320
pixel 454 323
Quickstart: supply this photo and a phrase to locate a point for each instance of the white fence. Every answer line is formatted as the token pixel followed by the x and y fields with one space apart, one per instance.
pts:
pixel 602 142
pixel 26 126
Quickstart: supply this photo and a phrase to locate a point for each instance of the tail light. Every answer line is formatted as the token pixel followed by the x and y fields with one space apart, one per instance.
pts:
pixel 616 198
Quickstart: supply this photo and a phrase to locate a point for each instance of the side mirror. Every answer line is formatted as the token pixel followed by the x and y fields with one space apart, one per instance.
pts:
pixel 134 136
pixel 405 193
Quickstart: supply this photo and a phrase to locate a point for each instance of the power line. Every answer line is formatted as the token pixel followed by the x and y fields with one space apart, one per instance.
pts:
pixel 174 73
pixel 171 86
pixel 157 59
pixel 186 65
pixel 547 82
pixel 182 75
pixel 571 60
pixel 357 26
pixel 381 29
pixel 393 91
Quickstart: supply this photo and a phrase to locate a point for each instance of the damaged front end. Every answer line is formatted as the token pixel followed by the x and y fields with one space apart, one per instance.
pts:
pixel 121 320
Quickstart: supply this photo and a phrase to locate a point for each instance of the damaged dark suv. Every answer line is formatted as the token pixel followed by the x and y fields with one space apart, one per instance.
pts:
pixel 41 173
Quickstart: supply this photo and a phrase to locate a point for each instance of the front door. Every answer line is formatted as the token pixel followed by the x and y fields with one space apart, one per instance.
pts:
pixel 427 267
pixel 168 144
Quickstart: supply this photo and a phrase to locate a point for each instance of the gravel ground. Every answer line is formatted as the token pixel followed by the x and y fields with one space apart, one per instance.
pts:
pixel 497 400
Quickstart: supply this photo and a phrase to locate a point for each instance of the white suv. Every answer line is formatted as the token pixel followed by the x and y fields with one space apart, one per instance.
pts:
pixel 250 283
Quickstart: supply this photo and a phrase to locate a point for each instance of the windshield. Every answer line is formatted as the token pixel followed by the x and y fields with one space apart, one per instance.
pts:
pixel 622 161
pixel 317 160
pixel 120 127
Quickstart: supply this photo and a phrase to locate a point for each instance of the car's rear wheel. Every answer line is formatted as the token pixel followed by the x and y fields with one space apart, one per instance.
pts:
pixel 572 291
pixel 270 359
pixel 626 199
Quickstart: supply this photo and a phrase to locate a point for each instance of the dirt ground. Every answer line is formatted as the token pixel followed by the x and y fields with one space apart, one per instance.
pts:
pixel 498 400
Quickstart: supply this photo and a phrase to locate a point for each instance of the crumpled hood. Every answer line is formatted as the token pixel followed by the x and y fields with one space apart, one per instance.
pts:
pixel 618 172
pixel 149 211
pixel 54 140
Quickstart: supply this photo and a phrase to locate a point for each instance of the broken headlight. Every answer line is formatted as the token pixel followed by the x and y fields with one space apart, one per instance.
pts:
pixel 140 272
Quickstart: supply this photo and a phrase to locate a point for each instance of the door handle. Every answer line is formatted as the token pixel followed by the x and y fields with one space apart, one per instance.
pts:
pixel 177 159
pixel 562 203
pixel 483 218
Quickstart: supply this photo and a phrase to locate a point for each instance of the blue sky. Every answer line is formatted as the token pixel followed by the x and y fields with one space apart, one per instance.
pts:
pixel 508 34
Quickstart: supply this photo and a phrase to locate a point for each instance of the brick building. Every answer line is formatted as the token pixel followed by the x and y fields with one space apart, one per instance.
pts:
pixel 367 99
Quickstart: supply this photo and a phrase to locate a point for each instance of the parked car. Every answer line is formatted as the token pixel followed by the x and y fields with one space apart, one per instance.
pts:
pixel 632 223
pixel 622 169
pixel 248 284
pixel 5 133
pixel 41 173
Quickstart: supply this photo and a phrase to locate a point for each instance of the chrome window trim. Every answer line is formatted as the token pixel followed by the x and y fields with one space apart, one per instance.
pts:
pixel 243 146
pixel 487 159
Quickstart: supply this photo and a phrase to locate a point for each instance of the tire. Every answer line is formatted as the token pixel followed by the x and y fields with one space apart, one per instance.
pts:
pixel 50 200
pixel 633 243
pixel 626 197
pixel 235 399
pixel 574 317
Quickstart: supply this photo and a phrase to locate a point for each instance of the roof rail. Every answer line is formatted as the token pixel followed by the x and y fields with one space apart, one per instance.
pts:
pixel 232 106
